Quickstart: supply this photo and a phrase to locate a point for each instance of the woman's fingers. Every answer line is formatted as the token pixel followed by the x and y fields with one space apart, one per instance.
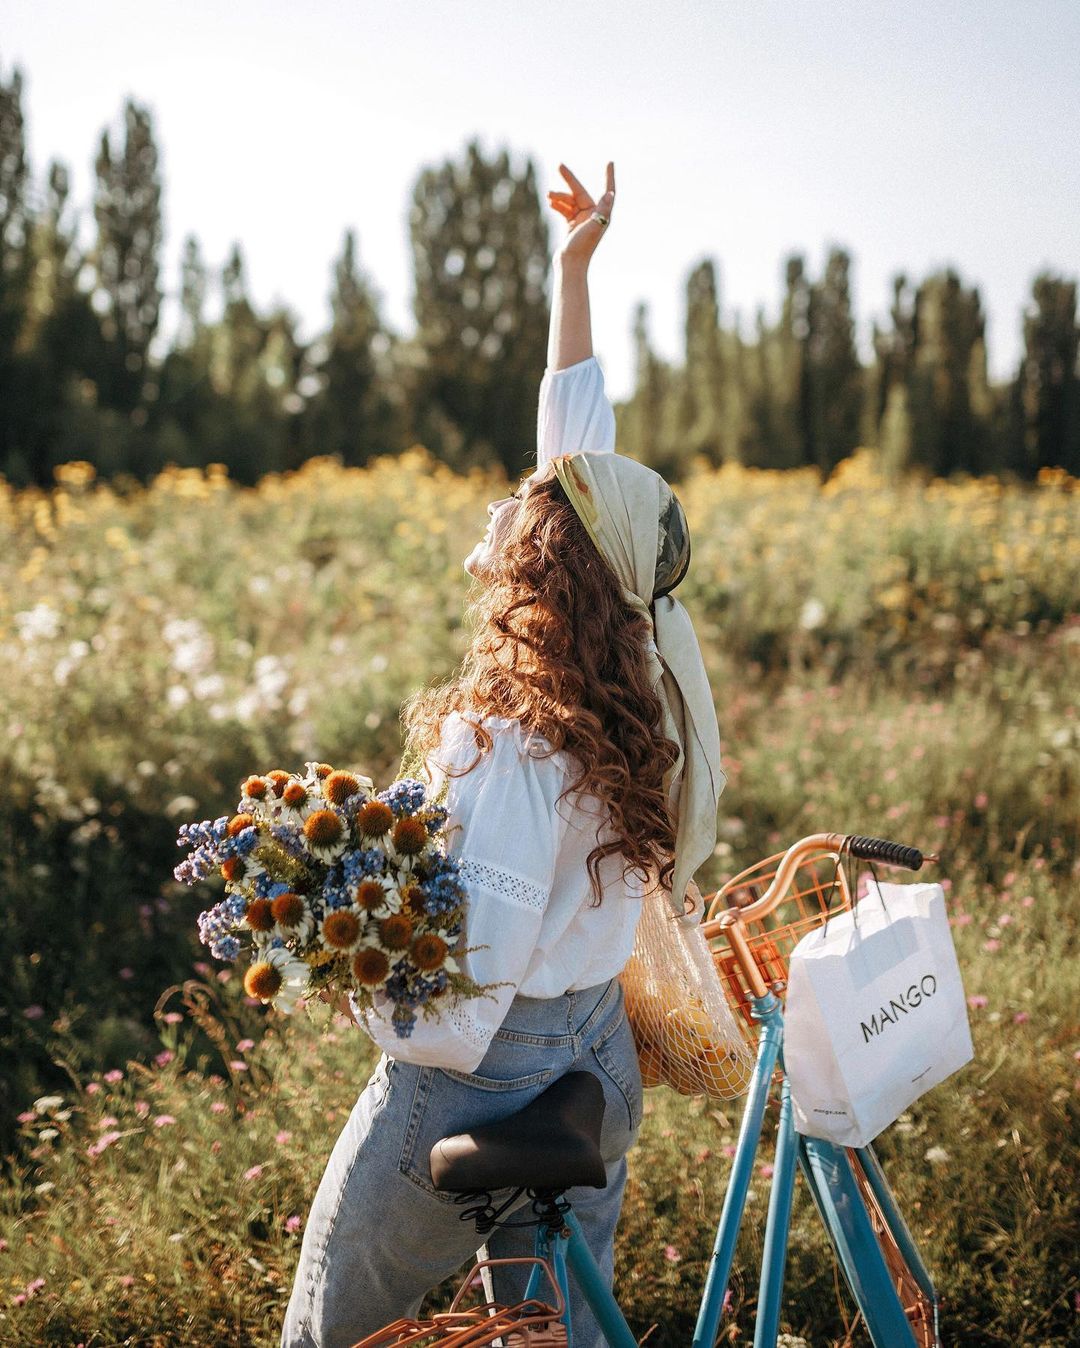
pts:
pixel 580 194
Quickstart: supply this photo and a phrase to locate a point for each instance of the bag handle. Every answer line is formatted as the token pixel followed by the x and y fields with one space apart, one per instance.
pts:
pixel 845 846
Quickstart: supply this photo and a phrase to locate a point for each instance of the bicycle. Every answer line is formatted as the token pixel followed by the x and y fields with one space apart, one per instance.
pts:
pixel 553 1144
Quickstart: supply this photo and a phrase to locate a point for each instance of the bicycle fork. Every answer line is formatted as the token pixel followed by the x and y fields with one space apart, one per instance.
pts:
pixel 833 1186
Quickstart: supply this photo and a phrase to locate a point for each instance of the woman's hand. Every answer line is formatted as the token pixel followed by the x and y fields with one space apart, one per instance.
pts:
pixel 577 207
pixel 339 1001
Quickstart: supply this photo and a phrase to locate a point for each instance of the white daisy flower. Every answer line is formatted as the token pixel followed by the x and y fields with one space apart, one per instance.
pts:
pixel 301 929
pixel 391 901
pixel 395 947
pixel 298 811
pixel 336 924
pixel 405 862
pixel 294 974
pixel 325 834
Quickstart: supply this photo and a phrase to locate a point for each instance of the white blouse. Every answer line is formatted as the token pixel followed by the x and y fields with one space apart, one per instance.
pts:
pixel 523 852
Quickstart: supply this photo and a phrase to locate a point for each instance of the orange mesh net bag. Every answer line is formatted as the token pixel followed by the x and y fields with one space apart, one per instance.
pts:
pixel 684 1029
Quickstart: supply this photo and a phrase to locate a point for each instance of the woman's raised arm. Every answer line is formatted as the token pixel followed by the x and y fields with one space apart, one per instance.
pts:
pixel 570 335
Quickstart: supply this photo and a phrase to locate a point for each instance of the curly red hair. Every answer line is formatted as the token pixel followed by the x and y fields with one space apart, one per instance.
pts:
pixel 556 647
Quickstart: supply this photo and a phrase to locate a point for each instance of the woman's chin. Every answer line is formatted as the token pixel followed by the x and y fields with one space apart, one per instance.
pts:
pixel 474 564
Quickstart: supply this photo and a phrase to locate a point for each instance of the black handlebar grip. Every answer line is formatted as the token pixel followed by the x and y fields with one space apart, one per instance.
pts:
pixel 880 849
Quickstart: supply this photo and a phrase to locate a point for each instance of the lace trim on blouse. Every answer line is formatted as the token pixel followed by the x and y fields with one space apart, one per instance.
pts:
pixel 467 1026
pixel 505 883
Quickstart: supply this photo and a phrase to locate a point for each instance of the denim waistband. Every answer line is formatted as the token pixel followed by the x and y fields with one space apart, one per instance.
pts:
pixel 574 1013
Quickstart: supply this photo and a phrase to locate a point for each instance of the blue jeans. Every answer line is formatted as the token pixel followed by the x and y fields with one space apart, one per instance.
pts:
pixel 379 1236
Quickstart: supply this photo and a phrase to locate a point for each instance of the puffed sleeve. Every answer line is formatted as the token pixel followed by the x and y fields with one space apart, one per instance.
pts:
pixel 504 831
pixel 574 412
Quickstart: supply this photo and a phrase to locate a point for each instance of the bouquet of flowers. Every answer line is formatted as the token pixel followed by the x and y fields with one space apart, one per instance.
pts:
pixel 337 888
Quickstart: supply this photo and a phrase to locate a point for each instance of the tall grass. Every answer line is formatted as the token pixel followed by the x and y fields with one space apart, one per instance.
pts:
pixel 898 661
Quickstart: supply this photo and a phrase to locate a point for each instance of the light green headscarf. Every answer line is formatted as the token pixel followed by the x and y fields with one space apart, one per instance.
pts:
pixel 623 505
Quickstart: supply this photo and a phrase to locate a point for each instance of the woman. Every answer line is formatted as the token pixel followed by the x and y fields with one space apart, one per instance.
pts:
pixel 579 753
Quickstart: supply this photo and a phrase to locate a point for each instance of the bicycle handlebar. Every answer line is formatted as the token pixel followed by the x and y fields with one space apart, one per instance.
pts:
pixel 869 849
pixel 880 849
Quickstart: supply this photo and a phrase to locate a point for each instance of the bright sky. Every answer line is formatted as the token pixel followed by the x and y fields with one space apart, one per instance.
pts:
pixel 915 135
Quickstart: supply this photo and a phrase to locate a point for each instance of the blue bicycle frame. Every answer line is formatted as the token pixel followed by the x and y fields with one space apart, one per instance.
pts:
pixel 833 1185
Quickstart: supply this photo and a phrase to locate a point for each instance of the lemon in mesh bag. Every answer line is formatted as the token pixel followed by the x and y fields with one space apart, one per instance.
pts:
pixel 683 1027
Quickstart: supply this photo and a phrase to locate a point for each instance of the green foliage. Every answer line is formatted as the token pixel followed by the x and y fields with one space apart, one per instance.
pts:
pixel 77 378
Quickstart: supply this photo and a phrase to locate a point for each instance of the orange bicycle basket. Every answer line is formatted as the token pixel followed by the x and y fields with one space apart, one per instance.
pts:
pixel 739 926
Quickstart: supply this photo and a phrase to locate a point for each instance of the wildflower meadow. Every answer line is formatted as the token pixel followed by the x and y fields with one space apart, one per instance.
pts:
pixel 889 657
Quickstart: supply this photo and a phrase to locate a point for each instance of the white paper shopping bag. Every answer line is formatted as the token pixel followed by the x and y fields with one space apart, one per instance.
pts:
pixel 875 1013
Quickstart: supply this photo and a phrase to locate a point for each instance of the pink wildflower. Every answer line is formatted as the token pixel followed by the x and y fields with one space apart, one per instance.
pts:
pixel 238 1066
pixel 245 1044
pixel 215 1146
pixel 125 1280
pixel 1028 900
pixel 164 1057
pixel 671 1254
pixel 1021 1018
pixel 126 972
pixel 292 1223
pixel 282 1137
pixel 981 800
pixel 92 1087
pixel 105 1140
pixel 218 1107
pixel 172 1017
pixel 162 1120
pixel 27 1116
pixel 991 946
pixel 765 1170
pixel 253 1172
pixel 977 1001
pixel 142 1108
pixel 33 1012
pixel 106 1121
pixel 113 1075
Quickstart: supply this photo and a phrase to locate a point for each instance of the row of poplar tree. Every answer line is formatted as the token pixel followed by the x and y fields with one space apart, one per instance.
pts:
pixel 78 379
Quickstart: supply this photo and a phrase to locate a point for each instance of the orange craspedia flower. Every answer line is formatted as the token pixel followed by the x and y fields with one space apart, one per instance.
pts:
pixel 263 980
pixel 374 818
pixel 232 868
pixel 238 823
pixel 339 786
pixel 370 895
pixel 409 836
pixel 341 928
pixel 428 951
pixel 370 966
pixel 322 828
pixel 277 780
pixel 294 794
pixel 260 915
pixel 288 909
pixel 255 787
pixel 396 931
